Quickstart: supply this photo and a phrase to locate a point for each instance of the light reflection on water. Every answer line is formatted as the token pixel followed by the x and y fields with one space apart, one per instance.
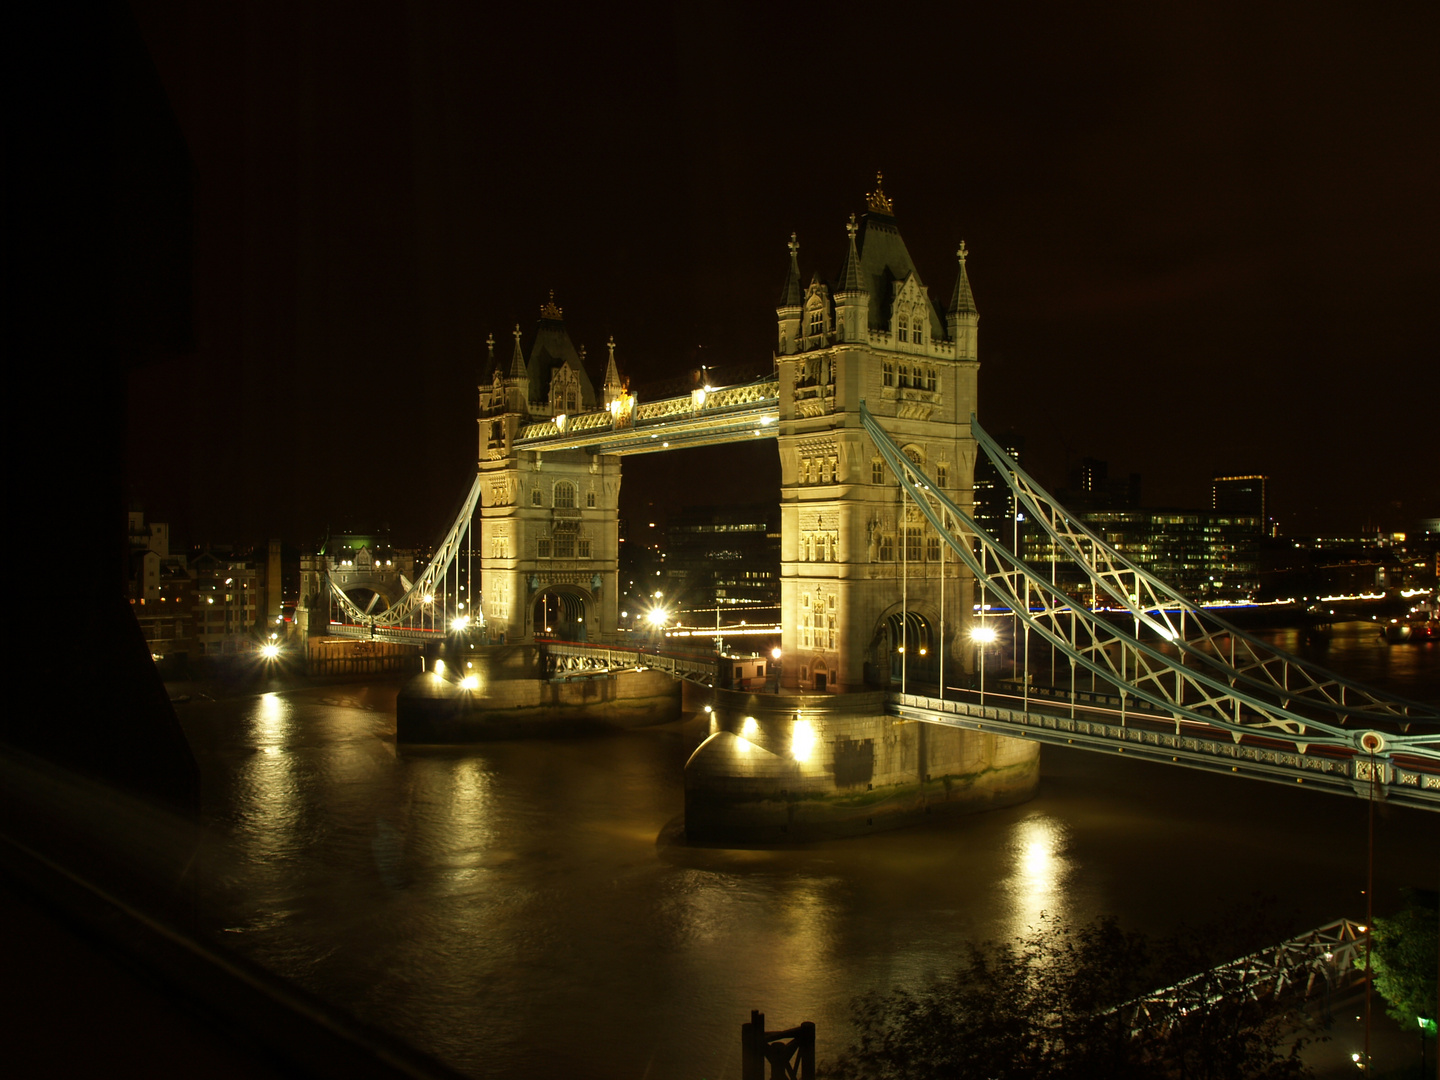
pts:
pixel 511 901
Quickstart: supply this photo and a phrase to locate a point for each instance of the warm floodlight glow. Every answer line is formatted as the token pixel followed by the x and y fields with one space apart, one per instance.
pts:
pixel 982 635
pixel 470 682
pixel 658 616
pixel 750 728
pixel 802 740
pixel 270 651
pixel 439 668
pixel 429 598
pixel 460 622
pixel 775 653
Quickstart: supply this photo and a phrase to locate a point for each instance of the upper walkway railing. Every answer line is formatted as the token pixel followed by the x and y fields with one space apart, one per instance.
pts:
pixel 720 414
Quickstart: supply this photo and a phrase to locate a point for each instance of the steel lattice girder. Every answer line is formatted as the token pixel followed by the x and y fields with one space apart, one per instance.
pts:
pixel 1219 689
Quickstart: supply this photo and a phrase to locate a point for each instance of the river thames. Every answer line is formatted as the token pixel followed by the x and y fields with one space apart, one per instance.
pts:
pixel 526 907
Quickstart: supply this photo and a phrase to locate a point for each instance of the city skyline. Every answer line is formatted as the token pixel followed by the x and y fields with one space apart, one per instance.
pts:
pixel 1199 240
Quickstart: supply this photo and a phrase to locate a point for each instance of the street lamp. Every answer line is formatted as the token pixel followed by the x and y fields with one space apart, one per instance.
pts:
pixel 982 635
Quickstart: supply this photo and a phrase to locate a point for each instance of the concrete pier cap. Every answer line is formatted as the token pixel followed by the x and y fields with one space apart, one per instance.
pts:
pixel 786 768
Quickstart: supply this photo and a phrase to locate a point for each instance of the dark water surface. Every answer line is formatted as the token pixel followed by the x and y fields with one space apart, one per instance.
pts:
pixel 519 908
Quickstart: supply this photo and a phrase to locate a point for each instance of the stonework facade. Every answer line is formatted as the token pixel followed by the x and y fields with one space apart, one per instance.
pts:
pixel 548 520
pixel 854 555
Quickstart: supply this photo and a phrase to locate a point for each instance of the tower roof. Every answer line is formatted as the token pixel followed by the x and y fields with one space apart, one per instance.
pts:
pixel 884 260
pixel 553 348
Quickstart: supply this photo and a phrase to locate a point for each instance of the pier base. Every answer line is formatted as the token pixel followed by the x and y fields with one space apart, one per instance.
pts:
pixel 511 700
pixel 783 768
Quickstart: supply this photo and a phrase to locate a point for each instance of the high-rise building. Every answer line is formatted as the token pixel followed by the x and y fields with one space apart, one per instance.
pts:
pixel 1240 496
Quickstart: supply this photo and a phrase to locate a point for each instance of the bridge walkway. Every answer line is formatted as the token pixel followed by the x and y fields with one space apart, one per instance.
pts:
pixel 1401 779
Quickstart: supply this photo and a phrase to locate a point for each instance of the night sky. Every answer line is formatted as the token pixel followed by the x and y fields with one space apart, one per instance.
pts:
pixel 1202 237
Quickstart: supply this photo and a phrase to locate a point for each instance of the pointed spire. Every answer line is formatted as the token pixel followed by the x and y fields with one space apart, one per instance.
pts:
pixel 963 302
pixel 517 361
pixel 551 310
pixel 851 280
pixel 613 385
pixel 791 294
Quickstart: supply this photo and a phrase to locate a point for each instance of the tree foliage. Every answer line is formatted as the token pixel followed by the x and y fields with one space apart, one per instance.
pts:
pixel 1052 1005
pixel 1405 958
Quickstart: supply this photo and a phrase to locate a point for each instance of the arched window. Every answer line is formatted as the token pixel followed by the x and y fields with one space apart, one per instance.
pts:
pixel 565 495
pixel 902 333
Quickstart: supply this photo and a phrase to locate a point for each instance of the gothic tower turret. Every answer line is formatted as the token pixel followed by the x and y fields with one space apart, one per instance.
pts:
pixel 791 304
pixel 961 318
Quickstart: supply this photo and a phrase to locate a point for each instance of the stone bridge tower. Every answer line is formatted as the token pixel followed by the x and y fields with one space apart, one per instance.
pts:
pixel 548 543
pixel 850 546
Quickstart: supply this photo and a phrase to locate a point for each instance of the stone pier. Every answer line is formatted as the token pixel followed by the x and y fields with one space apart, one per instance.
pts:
pixel 784 768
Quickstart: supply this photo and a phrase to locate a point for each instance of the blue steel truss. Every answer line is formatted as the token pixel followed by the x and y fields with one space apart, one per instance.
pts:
pixel 1176 658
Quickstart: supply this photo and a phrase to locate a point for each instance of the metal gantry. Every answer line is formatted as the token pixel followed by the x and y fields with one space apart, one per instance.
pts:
pixel 1163 654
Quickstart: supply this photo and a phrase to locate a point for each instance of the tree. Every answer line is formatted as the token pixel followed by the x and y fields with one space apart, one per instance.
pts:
pixel 1405 957
pixel 1059 1003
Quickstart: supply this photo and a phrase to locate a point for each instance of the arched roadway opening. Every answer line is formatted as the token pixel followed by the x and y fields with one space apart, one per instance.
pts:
pixel 904 646
pixel 562 611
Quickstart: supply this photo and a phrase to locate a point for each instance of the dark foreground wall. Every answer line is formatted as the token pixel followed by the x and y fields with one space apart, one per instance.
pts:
pixel 786 768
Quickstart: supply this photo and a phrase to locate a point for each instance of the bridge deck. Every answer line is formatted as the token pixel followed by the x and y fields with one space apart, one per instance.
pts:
pixel 1401 780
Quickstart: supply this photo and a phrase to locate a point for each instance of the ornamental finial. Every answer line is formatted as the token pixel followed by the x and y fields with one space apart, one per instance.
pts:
pixel 490 345
pixel 877 200
pixel 962 253
pixel 851 227
pixel 611 345
pixel 794 247
pixel 550 310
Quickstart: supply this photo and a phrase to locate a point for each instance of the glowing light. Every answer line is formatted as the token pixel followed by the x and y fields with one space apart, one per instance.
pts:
pixel 470 682
pixel 270 651
pixel 775 653
pixel 429 598
pixel 802 740
pixel 658 616
pixel 750 727
pixel 982 635
pixel 439 668
pixel 460 622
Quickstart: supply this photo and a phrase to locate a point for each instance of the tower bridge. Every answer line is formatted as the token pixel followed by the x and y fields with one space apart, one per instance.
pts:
pixel 870 397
